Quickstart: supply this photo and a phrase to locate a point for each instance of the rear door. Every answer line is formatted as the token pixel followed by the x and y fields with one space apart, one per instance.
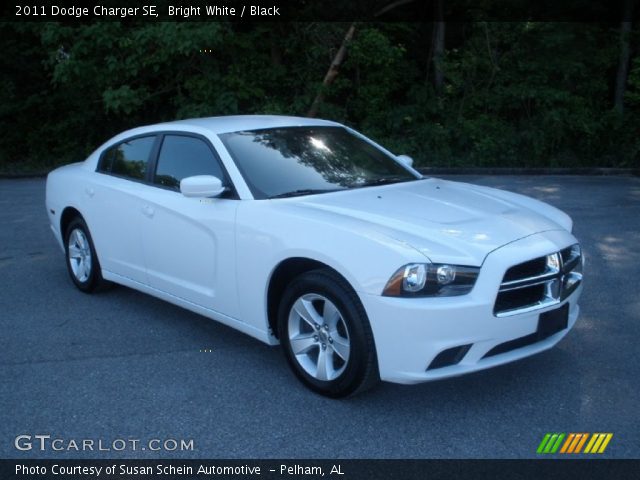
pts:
pixel 114 208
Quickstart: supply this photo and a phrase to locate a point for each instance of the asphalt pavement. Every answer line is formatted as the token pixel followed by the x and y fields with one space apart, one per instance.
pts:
pixel 124 365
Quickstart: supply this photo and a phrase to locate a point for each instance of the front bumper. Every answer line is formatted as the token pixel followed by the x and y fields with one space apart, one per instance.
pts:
pixel 409 333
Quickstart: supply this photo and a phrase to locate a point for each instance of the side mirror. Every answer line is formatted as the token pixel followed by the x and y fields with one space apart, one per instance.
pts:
pixel 406 159
pixel 201 186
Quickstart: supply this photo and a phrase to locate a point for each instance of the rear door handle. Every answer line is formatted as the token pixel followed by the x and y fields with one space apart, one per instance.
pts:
pixel 148 211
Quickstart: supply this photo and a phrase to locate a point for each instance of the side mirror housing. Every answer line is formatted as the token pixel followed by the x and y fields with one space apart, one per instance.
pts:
pixel 406 159
pixel 201 186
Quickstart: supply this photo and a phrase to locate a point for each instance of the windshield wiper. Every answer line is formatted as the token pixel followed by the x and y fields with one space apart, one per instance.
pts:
pixel 303 191
pixel 381 181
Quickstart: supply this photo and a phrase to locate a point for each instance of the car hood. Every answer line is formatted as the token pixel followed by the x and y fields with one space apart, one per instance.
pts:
pixel 446 221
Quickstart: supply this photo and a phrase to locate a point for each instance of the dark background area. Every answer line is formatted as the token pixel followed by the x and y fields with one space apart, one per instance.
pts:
pixel 450 93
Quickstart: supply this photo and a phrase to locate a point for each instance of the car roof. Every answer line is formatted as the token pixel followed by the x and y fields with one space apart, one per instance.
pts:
pixel 236 123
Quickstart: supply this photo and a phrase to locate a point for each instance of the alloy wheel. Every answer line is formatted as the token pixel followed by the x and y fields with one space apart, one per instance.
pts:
pixel 79 255
pixel 319 337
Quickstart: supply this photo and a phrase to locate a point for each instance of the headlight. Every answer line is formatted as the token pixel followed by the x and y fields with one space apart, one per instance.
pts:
pixel 431 280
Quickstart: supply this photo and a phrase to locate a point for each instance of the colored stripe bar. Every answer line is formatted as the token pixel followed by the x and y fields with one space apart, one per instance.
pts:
pixel 594 437
pixel 573 443
pixel 576 441
pixel 550 443
pixel 596 446
pixel 543 443
pixel 555 447
pixel 583 439
pixel 568 442
pixel 606 442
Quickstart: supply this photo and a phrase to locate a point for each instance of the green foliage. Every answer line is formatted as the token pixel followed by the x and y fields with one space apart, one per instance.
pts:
pixel 515 94
pixel 521 94
pixel 633 94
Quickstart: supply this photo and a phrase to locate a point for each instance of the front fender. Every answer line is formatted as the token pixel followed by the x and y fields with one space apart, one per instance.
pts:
pixel 269 232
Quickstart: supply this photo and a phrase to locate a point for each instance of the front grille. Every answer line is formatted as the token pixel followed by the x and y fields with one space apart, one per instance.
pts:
pixel 512 299
pixel 539 282
pixel 531 268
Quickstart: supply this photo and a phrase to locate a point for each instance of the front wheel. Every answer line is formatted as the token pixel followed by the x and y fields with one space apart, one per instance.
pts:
pixel 326 336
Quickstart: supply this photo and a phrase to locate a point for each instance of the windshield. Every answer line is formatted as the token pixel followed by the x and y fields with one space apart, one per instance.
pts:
pixel 290 161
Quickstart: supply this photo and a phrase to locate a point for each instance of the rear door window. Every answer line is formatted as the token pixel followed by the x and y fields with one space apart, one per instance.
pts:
pixel 128 159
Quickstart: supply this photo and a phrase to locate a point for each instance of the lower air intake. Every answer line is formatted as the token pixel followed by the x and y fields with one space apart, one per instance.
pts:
pixel 448 357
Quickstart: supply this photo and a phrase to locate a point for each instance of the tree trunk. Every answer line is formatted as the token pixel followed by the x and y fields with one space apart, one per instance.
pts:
pixel 332 73
pixel 438 46
pixel 391 6
pixel 276 52
pixel 623 63
pixel 427 76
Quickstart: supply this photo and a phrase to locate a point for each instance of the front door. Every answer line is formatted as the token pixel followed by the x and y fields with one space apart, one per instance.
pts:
pixel 189 243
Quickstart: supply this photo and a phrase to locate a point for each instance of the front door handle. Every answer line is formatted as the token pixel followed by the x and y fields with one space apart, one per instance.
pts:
pixel 148 211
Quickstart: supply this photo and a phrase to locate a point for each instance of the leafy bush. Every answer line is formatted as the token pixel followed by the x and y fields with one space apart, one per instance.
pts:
pixel 515 94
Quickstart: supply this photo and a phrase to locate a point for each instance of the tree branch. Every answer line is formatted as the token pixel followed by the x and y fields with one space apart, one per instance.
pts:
pixel 332 73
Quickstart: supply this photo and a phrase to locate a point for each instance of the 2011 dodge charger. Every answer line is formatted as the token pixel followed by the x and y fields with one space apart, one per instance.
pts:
pixel 306 233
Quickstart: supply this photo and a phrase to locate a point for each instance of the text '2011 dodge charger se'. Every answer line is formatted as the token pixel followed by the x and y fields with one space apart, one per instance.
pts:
pixel 306 233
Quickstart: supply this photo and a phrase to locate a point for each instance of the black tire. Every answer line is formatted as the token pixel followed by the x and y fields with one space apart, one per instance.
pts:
pixel 93 281
pixel 360 371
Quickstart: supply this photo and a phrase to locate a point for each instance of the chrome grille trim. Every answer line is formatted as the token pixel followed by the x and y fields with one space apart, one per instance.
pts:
pixel 561 276
pixel 514 284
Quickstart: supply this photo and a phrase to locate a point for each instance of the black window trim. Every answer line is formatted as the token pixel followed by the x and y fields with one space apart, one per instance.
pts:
pixel 152 161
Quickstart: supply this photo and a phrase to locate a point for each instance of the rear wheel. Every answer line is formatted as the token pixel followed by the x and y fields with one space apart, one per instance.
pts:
pixel 326 336
pixel 82 261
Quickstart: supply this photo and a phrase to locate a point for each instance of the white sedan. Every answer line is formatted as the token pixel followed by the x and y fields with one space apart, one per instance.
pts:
pixel 306 233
